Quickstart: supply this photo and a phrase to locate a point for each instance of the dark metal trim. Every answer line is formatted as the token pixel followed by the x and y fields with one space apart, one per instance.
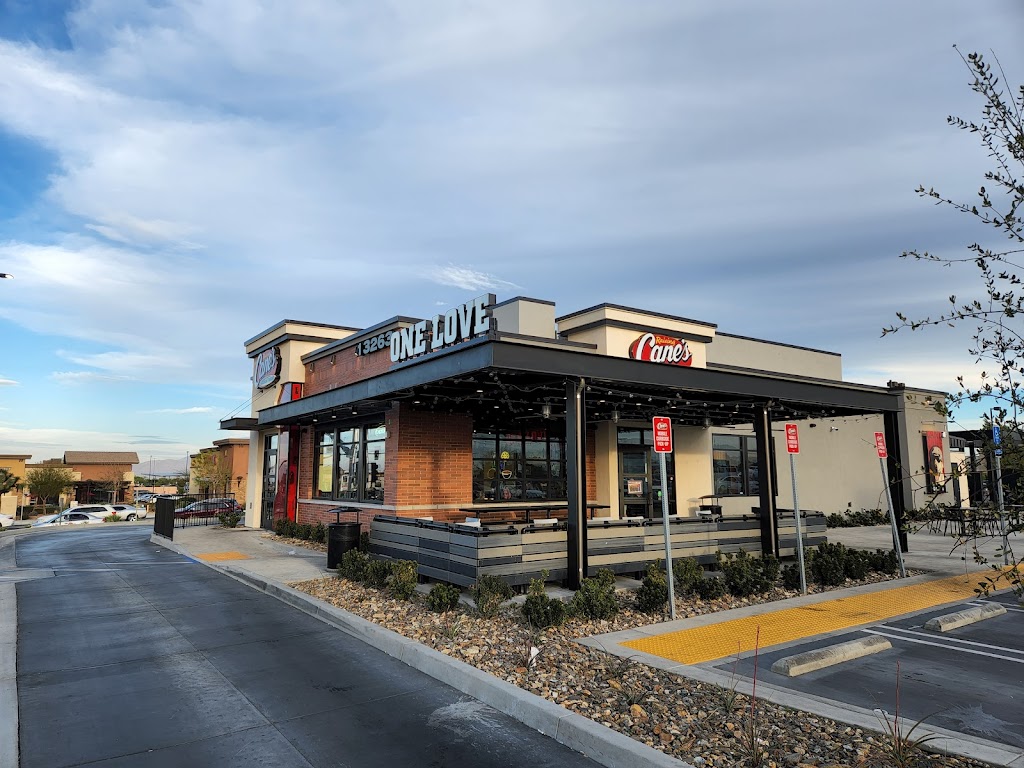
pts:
pixel 523 298
pixel 241 423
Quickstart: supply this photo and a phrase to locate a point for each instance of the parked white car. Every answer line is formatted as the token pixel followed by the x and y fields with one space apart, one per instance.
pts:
pixel 86 514
pixel 129 513
pixel 6 521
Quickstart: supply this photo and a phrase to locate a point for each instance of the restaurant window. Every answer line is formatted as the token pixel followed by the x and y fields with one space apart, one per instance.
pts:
pixel 734 458
pixel 350 463
pixel 518 465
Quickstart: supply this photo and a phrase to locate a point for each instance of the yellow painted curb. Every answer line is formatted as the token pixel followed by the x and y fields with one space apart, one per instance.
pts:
pixel 726 638
pixel 215 557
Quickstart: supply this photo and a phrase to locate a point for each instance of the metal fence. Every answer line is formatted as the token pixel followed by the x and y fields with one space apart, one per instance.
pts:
pixel 190 510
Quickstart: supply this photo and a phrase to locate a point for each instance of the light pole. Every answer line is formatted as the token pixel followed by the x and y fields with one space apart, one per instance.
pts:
pixel 8 275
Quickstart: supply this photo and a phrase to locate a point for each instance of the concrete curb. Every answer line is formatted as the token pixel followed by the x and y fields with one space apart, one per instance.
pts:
pixel 964 618
pixel 802 663
pixel 8 663
pixel 600 743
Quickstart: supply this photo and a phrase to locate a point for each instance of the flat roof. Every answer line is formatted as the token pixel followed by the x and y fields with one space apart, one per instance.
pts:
pixel 637 311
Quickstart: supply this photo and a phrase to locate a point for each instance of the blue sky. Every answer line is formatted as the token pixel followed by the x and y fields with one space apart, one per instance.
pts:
pixel 178 176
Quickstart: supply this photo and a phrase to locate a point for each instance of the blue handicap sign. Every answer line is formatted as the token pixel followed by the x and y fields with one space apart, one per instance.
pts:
pixel 996 439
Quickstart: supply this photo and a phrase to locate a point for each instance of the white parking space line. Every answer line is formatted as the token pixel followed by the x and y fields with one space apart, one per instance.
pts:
pixel 947 638
pixel 905 639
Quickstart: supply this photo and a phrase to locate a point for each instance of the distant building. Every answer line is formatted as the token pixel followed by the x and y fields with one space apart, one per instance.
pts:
pixel 221 470
pixel 15 464
pixel 101 477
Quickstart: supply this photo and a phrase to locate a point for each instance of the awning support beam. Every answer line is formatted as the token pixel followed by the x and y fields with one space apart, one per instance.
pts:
pixel 576 478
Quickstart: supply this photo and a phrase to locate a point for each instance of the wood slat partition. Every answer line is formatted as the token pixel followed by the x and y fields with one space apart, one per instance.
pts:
pixel 460 554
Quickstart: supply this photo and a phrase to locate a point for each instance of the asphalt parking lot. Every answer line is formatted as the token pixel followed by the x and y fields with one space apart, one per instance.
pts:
pixel 969 680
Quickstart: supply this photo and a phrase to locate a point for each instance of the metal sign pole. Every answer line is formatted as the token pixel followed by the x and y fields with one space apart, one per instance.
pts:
pixel 1001 510
pixel 669 575
pixel 892 518
pixel 799 529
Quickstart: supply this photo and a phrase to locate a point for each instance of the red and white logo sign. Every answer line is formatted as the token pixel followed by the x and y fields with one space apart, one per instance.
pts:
pixel 792 439
pixel 880 445
pixel 662 434
pixel 655 348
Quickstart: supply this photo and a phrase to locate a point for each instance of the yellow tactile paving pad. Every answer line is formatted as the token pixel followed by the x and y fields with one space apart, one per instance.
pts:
pixel 726 638
pixel 216 557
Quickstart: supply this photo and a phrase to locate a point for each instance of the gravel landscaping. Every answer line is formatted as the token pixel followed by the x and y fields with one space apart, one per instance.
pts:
pixel 703 724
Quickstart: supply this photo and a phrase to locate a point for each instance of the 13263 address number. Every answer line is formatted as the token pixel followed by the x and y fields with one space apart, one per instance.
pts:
pixel 374 343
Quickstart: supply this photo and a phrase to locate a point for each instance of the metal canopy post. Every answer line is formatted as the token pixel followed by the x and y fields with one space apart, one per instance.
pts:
pixel 576 477
pixel 766 480
pixel 899 485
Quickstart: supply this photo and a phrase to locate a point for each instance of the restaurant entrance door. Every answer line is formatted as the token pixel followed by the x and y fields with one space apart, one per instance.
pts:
pixel 640 482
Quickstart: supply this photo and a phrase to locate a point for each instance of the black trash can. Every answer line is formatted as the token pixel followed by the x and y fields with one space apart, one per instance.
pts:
pixel 341 537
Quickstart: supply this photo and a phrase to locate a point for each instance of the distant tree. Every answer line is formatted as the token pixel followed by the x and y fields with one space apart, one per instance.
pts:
pixel 996 309
pixel 209 474
pixel 49 482
pixel 8 481
pixel 112 482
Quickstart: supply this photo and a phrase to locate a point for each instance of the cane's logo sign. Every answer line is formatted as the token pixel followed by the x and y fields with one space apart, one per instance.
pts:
pixel 268 368
pixel 655 348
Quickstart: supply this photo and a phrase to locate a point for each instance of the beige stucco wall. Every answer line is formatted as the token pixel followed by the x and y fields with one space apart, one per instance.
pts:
pixel 779 358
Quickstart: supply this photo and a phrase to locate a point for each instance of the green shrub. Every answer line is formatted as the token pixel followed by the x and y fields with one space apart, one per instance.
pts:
pixel 318 534
pixel 743 575
pixel 282 526
pixel 687 572
pixel 112 519
pixel 303 531
pixel 652 596
pixel 884 561
pixel 595 599
pixel 229 519
pixel 856 564
pixel 353 565
pixel 364 541
pixel 443 597
pixel 540 610
pixel 377 572
pixel 710 588
pixel 489 593
pixel 791 577
pixel 770 568
pixel 828 565
pixel 402 581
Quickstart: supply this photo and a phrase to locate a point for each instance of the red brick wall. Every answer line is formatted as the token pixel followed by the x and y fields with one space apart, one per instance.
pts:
pixel 348 367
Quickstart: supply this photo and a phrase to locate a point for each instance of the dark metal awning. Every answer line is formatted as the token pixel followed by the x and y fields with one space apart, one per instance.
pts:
pixel 497 380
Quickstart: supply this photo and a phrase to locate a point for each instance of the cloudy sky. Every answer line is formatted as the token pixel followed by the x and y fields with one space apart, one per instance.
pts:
pixel 178 175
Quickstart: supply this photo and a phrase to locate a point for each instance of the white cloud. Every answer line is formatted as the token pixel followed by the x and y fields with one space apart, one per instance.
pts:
pixel 84 377
pixel 49 443
pixel 4 382
pixel 467 278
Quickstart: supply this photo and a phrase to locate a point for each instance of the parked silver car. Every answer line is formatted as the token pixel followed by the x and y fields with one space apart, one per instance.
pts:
pixel 85 515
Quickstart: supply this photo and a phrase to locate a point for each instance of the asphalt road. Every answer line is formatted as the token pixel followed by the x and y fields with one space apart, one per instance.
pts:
pixel 968 680
pixel 131 655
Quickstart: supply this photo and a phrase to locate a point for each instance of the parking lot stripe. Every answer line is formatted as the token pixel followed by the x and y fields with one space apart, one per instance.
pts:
pixel 1014 610
pixel 947 638
pixel 729 637
pixel 947 646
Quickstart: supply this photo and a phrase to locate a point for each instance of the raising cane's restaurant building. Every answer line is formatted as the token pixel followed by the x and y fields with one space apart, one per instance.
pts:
pixel 501 438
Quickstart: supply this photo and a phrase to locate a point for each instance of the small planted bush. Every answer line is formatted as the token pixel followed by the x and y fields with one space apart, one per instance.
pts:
pixel 303 531
pixel 711 588
pixel 652 596
pixel 318 534
pixel 489 593
pixel 828 565
pixel 744 575
pixel 364 541
pixel 443 597
pixel 687 573
pixel 112 519
pixel 377 572
pixel 353 565
pixel 283 527
pixel 229 519
pixel 884 561
pixel 856 564
pixel 401 582
pixel 791 577
pixel 595 599
pixel 540 610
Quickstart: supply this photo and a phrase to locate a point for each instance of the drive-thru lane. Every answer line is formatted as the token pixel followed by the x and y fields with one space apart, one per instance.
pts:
pixel 967 680
pixel 131 655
